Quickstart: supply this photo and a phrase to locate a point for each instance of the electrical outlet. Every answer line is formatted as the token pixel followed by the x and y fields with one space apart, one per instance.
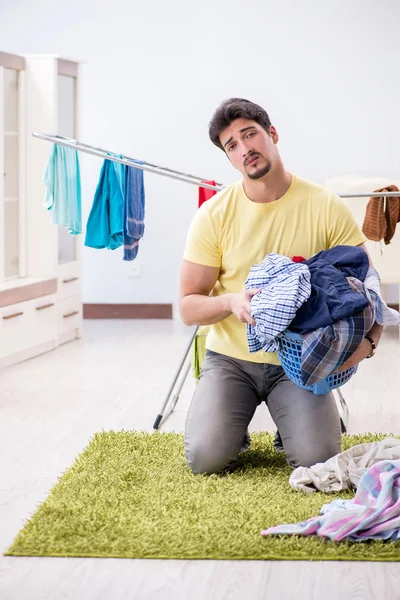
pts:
pixel 135 269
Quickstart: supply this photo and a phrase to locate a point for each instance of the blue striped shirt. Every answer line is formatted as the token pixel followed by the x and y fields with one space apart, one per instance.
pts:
pixel 284 286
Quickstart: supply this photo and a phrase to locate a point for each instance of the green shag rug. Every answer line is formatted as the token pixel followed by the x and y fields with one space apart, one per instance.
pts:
pixel 132 495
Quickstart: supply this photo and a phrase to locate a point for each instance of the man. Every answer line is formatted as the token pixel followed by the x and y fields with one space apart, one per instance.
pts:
pixel 269 210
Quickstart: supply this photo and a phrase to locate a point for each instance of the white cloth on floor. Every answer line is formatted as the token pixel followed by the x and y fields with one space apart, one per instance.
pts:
pixel 344 470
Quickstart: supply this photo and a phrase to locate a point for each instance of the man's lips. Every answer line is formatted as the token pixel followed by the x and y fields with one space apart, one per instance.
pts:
pixel 252 159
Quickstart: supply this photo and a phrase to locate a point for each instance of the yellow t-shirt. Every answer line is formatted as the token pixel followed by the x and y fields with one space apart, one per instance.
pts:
pixel 232 232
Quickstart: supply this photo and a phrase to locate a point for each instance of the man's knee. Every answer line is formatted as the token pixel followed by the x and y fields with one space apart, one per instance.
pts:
pixel 308 455
pixel 206 459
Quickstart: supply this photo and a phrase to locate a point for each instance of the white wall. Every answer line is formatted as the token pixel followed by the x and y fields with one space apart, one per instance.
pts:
pixel 153 73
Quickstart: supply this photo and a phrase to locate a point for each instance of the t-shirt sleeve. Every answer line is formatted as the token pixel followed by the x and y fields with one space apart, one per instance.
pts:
pixel 202 245
pixel 342 227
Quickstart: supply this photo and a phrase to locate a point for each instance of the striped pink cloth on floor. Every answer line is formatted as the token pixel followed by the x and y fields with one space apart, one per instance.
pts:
pixel 374 512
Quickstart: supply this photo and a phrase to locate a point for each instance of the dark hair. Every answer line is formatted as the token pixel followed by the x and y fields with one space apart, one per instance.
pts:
pixel 236 108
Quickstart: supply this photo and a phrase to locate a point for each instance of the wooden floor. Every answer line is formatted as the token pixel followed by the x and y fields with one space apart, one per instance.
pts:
pixel 116 378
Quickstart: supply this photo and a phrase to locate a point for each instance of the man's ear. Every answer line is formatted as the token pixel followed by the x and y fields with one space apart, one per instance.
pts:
pixel 273 134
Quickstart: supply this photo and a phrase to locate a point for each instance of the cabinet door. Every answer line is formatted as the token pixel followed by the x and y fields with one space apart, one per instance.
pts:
pixel 11 168
pixel 11 238
pixel 10 100
pixel 11 161
pixel 66 128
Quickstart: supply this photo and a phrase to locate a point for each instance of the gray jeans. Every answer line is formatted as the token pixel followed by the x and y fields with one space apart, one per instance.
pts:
pixel 226 397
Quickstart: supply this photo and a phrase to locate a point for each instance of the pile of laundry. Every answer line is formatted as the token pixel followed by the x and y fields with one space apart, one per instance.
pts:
pixel 374 512
pixel 331 300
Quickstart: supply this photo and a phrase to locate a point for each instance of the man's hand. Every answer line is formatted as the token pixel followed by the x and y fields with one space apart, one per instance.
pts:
pixel 240 305
pixel 363 350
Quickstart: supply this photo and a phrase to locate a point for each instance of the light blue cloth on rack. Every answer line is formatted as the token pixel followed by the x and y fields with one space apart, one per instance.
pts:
pixel 104 228
pixel 133 211
pixel 63 188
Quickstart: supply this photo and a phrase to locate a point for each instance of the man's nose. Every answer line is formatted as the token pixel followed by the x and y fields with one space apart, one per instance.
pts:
pixel 246 150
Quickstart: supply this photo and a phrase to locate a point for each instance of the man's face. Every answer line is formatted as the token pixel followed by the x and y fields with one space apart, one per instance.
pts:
pixel 249 147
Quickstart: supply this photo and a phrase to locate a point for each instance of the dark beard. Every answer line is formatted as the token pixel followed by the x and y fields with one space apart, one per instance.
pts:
pixel 260 172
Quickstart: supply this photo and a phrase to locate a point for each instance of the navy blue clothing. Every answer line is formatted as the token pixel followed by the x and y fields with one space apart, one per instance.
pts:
pixel 352 260
pixel 133 211
pixel 332 298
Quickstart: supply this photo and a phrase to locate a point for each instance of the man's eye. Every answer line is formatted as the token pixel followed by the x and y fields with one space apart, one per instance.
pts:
pixel 251 134
pixel 231 147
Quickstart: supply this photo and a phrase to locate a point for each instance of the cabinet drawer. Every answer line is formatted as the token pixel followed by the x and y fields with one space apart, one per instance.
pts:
pixel 27 324
pixel 69 285
pixel 70 314
pixel 45 317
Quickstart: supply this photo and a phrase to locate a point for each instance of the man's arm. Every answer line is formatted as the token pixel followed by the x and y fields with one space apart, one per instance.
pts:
pixel 365 348
pixel 376 330
pixel 197 307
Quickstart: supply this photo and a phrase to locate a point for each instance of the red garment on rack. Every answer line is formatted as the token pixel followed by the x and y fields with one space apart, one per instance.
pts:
pixel 206 194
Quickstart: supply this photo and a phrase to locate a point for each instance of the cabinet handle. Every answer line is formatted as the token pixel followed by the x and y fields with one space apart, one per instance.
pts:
pixel 45 306
pixel 18 314
pixel 71 314
pixel 70 279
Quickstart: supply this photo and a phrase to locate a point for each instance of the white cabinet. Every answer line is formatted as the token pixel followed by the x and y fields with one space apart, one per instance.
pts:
pixel 40 263
pixel 12 162
pixel 51 85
